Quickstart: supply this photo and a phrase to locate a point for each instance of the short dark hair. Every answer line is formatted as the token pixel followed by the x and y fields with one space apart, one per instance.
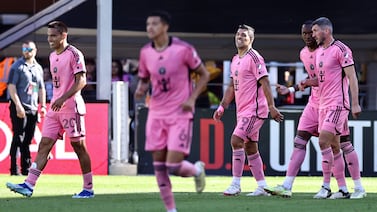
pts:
pixel 323 21
pixel 164 16
pixel 59 25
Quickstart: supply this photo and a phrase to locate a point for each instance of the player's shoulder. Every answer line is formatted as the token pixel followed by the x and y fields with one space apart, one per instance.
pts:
pixel 255 56
pixel 179 42
pixel 304 50
pixel 340 45
pixel 72 49
pixel 17 63
pixel 147 46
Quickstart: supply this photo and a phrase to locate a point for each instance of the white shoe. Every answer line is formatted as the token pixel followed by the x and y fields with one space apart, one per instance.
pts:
pixel 233 190
pixel 358 194
pixel 200 180
pixel 258 192
pixel 279 190
pixel 324 193
pixel 340 195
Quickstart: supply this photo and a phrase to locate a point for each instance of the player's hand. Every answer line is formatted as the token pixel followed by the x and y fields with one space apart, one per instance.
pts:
pixel 139 94
pixel 189 105
pixel 20 111
pixel 281 89
pixel 43 112
pixel 302 85
pixel 218 113
pixel 58 104
pixel 356 110
pixel 275 114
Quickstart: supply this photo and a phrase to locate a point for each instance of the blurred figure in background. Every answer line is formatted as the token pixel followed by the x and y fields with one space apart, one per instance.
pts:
pixel 165 64
pixel 5 64
pixel 48 83
pixel 89 91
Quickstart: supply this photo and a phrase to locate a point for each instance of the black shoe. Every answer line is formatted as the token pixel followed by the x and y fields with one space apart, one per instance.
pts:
pixel 15 174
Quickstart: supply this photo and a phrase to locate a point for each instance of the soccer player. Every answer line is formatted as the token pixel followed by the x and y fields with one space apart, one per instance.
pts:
pixel 308 126
pixel 250 87
pixel 166 63
pixel 66 111
pixel 336 76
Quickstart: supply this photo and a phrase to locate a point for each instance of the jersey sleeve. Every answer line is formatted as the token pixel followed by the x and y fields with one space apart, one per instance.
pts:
pixel 345 57
pixel 192 58
pixel 77 62
pixel 260 68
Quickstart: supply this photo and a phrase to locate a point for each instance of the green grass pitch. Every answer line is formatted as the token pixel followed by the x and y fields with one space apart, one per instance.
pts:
pixel 140 193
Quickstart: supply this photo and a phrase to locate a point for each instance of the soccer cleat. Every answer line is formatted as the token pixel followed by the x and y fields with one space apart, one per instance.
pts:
pixel 279 190
pixel 83 194
pixel 21 188
pixel 358 194
pixel 323 193
pixel 340 195
pixel 258 192
pixel 200 180
pixel 233 190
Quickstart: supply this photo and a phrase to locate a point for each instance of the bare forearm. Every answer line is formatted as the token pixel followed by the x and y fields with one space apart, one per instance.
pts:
pixel 228 96
pixel 13 94
pixel 79 84
pixel 354 90
pixel 267 91
pixel 42 97
pixel 201 83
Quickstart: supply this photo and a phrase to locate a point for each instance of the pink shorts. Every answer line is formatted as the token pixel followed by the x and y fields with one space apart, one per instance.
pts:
pixel 333 119
pixel 72 123
pixel 248 128
pixel 309 120
pixel 173 134
pixel 346 129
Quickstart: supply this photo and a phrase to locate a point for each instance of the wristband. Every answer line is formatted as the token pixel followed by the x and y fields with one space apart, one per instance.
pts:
pixel 220 109
pixel 291 89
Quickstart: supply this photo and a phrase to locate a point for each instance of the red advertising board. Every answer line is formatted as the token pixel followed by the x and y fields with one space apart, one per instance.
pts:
pixel 63 159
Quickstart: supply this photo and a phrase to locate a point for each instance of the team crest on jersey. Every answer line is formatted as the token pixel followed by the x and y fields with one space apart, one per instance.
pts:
pixel 236 73
pixel 55 70
pixel 346 55
pixel 162 71
pixel 320 64
pixel 311 67
pixel 259 66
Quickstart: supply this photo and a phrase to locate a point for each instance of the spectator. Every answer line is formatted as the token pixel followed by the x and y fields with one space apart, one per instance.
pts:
pixel 25 87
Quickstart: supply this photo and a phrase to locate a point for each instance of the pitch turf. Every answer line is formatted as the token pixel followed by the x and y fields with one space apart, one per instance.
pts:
pixel 140 193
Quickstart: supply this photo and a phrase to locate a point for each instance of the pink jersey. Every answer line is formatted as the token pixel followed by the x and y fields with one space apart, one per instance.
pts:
pixel 169 72
pixel 308 59
pixel 249 95
pixel 333 83
pixel 63 68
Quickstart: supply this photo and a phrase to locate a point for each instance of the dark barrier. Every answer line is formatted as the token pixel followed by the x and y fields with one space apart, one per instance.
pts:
pixel 211 144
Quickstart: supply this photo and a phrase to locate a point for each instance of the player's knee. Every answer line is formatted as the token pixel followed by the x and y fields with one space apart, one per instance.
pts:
pixel 300 143
pixel 173 168
pixel 347 147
